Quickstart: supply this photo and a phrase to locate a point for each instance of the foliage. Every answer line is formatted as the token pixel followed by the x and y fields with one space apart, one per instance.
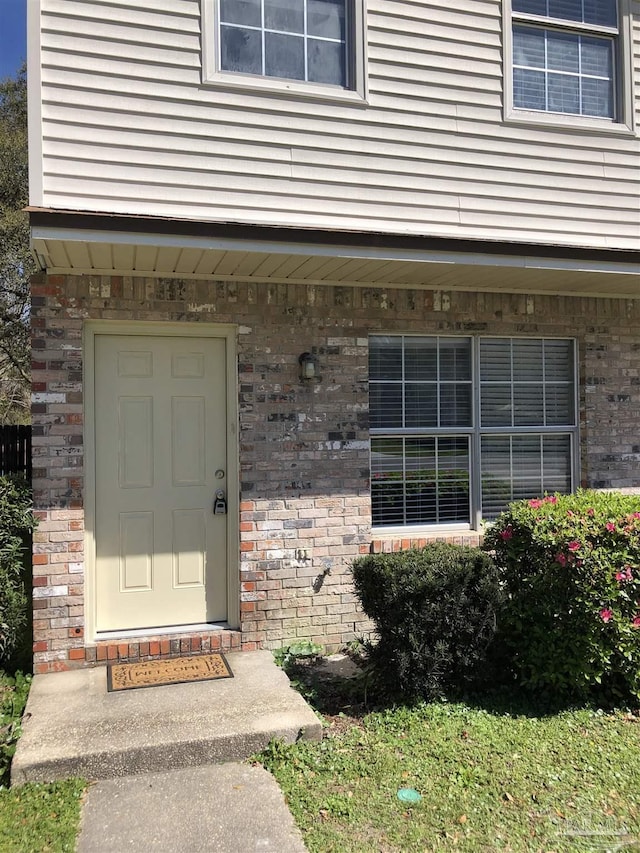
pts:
pixel 274 753
pixel 41 817
pixel 489 781
pixel 301 649
pixel 13 698
pixel 435 614
pixel 16 525
pixel 16 263
pixel 571 568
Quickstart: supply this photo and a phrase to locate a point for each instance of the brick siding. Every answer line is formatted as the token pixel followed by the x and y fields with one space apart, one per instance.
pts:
pixel 304 457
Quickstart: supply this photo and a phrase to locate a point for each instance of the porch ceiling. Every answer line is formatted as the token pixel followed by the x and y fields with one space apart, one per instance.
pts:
pixel 111 252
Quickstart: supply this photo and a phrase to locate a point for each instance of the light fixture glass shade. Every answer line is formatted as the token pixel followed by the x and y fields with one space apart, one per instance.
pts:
pixel 307 366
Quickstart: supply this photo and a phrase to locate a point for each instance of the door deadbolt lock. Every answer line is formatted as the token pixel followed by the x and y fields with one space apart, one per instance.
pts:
pixel 220 503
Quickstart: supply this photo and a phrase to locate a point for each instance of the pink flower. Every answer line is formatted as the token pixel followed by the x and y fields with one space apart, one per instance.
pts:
pixel 606 614
pixel 551 499
pixel 574 546
pixel 625 574
pixel 610 526
pixel 591 511
pixel 636 621
pixel 535 503
pixel 507 533
pixel 570 513
pixel 560 558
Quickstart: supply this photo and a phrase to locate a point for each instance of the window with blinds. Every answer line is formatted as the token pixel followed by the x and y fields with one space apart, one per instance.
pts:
pixel 565 56
pixel 461 426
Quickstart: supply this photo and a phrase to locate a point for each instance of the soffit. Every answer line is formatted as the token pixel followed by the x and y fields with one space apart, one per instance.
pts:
pixel 77 252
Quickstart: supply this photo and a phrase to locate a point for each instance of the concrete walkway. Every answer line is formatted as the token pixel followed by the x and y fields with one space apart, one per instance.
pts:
pixel 167 757
pixel 226 808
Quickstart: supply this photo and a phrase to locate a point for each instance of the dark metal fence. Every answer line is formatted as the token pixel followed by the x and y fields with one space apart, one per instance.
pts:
pixel 15 450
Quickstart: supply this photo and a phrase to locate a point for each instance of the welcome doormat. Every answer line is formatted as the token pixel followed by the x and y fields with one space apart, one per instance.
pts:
pixel 155 673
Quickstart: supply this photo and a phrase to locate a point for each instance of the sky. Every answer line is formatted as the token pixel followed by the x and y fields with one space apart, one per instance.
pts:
pixel 13 36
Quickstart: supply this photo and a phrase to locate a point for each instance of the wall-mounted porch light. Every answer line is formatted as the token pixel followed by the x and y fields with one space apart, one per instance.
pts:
pixel 308 367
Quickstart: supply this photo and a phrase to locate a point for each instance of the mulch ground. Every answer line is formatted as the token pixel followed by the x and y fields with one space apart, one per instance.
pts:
pixel 335 687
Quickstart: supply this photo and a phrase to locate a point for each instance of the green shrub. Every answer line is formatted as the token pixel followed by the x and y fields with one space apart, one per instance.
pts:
pixel 434 610
pixel 571 568
pixel 16 525
pixel 13 698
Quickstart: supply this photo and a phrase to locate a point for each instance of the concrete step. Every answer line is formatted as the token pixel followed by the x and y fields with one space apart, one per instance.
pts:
pixel 74 727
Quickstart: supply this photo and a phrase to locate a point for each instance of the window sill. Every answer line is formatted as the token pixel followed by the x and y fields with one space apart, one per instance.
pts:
pixel 387 543
pixel 284 88
pixel 571 123
pixel 413 530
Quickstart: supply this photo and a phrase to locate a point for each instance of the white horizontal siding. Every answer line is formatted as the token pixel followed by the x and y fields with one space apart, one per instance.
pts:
pixel 129 128
pixel 120 120
pixel 324 167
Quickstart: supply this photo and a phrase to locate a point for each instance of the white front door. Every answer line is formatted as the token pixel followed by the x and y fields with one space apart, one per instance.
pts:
pixel 160 449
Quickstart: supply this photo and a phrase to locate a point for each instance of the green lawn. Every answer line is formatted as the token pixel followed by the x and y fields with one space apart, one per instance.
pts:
pixel 489 780
pixel 33 818
pixel 41 818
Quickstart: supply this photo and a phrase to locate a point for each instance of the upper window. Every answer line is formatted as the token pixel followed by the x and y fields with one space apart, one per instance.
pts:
pixel 568 58
pixel 296 45
pixel 293 39
pixel 462 426
pixel 564 63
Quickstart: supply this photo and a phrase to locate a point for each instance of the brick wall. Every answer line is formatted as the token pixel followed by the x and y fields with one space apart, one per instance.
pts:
pixel 304 511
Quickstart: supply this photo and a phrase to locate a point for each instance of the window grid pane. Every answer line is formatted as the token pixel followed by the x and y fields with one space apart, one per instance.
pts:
pixel 290 39
pixel 563 72
pixel 420 382
pixel 600 13
pixel 515 467
pixel 420 480
pixel 526 383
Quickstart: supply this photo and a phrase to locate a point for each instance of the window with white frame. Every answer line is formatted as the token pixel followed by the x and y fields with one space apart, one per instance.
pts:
pixel 293 39
pixel 566 56
pixel 296 43
pixel 461 426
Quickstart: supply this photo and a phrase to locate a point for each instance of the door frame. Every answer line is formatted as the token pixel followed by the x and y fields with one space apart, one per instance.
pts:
pixel 225 331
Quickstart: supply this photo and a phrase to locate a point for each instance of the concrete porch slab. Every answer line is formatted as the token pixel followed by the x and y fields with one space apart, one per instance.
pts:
pixel 74 727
